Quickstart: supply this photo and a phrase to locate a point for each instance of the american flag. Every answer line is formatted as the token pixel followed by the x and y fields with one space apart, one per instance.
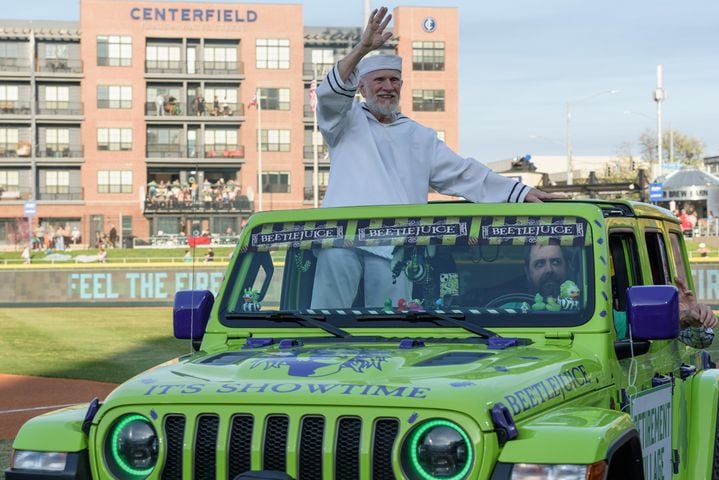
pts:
pixel 313 96
pixel 253 102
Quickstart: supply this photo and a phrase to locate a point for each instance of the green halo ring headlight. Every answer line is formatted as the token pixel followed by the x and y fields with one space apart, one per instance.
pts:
pixel 131 447
pixel 437 450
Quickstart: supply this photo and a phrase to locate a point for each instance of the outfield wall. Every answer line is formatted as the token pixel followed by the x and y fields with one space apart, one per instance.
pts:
pixel 156 284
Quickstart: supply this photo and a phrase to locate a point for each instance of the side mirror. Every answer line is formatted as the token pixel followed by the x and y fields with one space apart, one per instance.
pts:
pixel 191 312
pixel 653 312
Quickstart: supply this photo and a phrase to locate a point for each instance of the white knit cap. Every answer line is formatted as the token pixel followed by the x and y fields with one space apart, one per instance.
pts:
pixel 379 62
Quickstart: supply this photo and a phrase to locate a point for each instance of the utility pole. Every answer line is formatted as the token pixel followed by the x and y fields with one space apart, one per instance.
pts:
pixel 659 98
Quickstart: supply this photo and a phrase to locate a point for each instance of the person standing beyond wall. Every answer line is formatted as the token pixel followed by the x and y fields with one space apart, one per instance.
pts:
pixel 160 105
pixel 380 156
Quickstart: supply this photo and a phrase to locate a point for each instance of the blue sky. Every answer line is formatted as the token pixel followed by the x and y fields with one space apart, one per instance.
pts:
pixel 521 61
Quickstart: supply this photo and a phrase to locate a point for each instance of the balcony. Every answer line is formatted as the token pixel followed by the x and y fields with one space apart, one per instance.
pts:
pixel 183 109
pixel 60 193
pixel 309 153
pixel 60 108
pixel 223 68
pixel 167 150
pixel 321 69
pixel 15 107
pixel 15 65
pixel 60 66
pixel 310 193
pixel 10 193
pixel 74 151
pixel 169 204
pixel 164 66
pixel 227 151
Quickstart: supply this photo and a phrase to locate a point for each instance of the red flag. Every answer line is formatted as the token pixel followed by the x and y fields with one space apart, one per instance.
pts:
pixel 313 96
pixel 253 102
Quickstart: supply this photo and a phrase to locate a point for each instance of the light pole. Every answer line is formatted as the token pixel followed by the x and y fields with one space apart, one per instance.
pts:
pixel 570 173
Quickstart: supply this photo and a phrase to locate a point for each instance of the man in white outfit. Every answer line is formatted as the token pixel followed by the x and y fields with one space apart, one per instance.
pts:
pixel 378 156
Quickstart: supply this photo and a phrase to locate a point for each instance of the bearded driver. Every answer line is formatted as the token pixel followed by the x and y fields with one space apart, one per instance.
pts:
pixel 378 156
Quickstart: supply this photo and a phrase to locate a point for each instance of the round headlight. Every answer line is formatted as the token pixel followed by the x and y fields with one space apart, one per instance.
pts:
pixel 131 447
pixel 437 449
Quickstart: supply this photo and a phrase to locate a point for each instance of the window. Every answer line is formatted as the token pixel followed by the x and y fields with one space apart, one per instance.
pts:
pixel 8 141
pixel 9 93
pixel 220 58
pixel 56 51
pixel 428 100
pixel 57 139
pixel 275 140
pixel 114 96
pixel 322 61
pixel 114 181
pixel 428 56
pixel 57 181
pixel 114 51
pixel 678 254
pixel 657 253
pixel 114 139
pixel 272 53
pixel 276 182
pixel 9 50
pixel 220 140
pixel 275 98
pixel 625 266
pixel 163 57
pixel 10 180
pixel 57 98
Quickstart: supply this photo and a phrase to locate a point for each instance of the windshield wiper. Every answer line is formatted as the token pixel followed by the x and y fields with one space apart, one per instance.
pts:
pixel 283 316
pixel 430 316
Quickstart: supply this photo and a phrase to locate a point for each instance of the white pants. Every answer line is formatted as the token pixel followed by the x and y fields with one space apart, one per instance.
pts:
pixel 338 275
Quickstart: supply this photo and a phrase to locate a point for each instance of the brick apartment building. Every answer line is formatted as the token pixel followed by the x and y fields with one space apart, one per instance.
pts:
pixel 140 115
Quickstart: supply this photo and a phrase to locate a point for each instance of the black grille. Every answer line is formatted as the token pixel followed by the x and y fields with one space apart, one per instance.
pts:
pixel 274 453
pixel 209 448
pixel 385 433
pixel 347 449
pixel 206 447
pixel 310 448
pixel 240 445
pixel 174 431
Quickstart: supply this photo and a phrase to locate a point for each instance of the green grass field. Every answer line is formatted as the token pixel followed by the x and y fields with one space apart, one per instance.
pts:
pixel 102 344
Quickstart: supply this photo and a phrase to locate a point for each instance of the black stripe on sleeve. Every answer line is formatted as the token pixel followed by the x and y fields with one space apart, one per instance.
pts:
pixel 519 194
pixel 335 85
pixel 509 198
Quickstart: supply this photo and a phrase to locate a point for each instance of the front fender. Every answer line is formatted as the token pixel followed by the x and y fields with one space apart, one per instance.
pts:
pixel 57 431
pixel 571 435
pixel 703 424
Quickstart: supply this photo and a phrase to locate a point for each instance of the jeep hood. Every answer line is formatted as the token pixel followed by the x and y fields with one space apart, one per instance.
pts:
pixel 526 379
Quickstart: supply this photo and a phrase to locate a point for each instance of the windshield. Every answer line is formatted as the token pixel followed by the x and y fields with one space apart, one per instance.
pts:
pixel 493 270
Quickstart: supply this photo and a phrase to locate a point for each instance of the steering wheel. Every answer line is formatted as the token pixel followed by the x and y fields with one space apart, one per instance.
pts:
pixel 515 297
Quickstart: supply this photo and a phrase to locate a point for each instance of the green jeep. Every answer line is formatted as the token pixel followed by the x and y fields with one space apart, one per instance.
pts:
pixel 305 369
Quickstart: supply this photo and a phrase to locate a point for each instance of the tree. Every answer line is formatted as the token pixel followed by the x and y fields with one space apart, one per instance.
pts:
pixel 688 151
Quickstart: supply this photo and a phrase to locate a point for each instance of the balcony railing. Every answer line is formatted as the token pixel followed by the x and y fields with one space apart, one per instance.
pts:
pixel 309 69
pixel 14 107
pixel 74 151
pixel 167 150
pixel 164 66
pixel 59 108
pixel 11 193
pixel 61 192
pixel 59 65
pixel 171 204
pixel 214 151
pixel 309 153
pixel 14 65
pixel 223 68
pixel 310 193
pixel 173 109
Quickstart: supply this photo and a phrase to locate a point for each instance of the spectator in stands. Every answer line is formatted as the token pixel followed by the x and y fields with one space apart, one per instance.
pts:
pixel 75 236
pixel 210 255
pixel 702 250
pixel 102 255
pixel 26 254
pixel 188 256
